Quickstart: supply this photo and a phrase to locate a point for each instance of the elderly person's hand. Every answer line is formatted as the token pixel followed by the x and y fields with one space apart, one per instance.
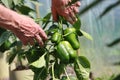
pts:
pixel 22 26
pixel 61 7
pixel 28 31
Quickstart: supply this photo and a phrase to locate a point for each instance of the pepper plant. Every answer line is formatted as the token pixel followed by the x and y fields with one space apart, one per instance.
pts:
pixel 60 50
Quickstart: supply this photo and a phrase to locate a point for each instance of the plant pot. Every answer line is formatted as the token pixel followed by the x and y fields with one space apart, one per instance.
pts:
pixel 4 66
pixel 21 75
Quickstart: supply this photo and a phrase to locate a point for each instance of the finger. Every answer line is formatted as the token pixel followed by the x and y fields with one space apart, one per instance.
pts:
pixel 69 19
pixel 42 34
pixel 77 4
pixel 54 14
pixel 73 17
pixel 70 16
pixel 75 10
pixel 22 39
pixel 25 40
pixel 69 0
pixel 31 41
pixel 39 40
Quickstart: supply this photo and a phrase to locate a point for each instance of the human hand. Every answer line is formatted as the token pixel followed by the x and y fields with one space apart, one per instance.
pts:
pixel 61 7
pixel 22 26
pixel 28 31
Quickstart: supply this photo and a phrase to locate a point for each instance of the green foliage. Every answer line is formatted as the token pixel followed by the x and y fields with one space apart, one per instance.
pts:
pixel 5 46
pixel 5 35
pixel 48 61
pixel 43 61
pixel 4 42
pixel 57 68
pixel 16 2
pixel 39 73
pixel 77 24
pixel 46 20
pixel 34 53
pixel 82 68
pixel 86 35
pixel 7 3
pixel 16 50
pixel 24 9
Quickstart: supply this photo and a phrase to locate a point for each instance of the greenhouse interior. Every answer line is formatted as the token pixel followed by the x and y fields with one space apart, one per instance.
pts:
pixel 98 35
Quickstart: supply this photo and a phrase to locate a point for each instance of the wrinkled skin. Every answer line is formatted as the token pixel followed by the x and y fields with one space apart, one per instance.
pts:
pixel 29 31
pixel 61 7
pixel 22 26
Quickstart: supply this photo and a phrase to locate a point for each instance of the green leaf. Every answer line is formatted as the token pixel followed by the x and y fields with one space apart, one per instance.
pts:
pixel 7 3
pixel 40 62
pixel 88 36
pixel 77 24
pixel 16 2
pixel 32 14
pixel 116 78
pixel 16 52
pixel 52 29
pixel 12 57
pixel 24 9
pixel 2 30
pixel 17 43
pixel 5 46
pixel 58 69
pixel 33 54
pixel 63 21
pixel 46 20
pixel 82 68
pixel 84 62
pixel 5 35
pixel 79 33
pixel 39 73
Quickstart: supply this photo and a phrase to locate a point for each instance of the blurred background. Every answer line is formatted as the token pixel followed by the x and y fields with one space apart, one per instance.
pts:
pixel 104 58
pixel 103 51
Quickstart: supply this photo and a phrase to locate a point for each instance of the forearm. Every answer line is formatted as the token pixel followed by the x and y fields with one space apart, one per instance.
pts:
pixel 7 18
pixel 22 26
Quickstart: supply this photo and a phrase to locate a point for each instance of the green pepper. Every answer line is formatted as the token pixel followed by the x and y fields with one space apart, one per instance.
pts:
pixel 71 36
pixel 56 37
pixel 65 52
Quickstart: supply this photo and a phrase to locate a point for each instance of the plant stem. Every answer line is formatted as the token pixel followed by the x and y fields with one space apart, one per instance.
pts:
pixel 53 76
pixel 66 74
pixel 20 60
pixel 37 10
